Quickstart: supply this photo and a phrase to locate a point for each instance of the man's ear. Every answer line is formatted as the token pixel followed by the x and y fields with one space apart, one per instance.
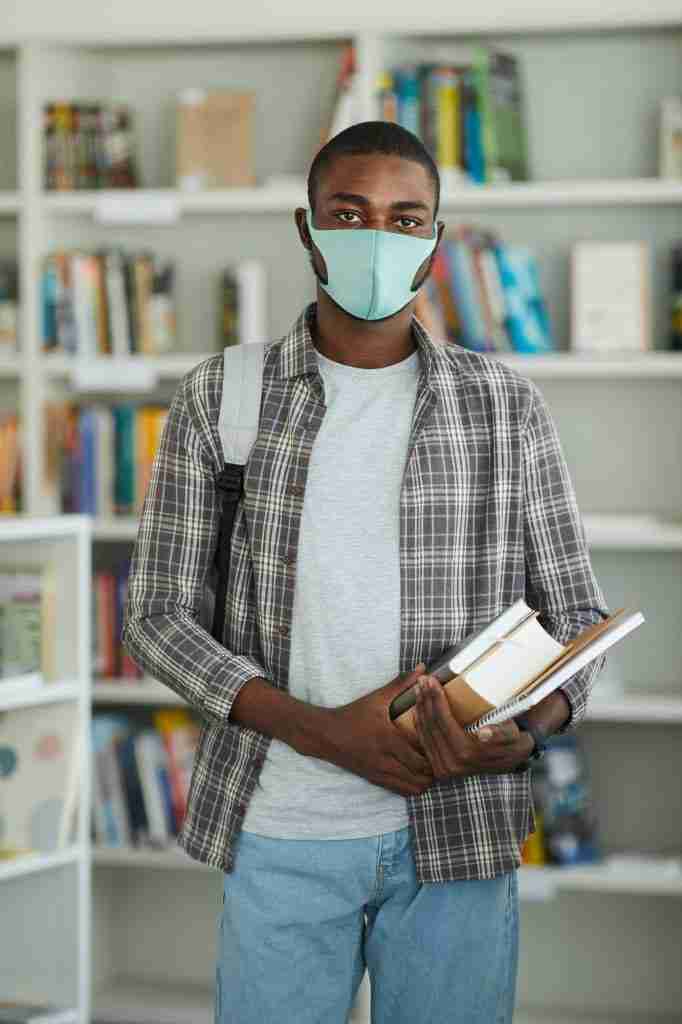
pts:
pixel 303 233
pixel 425 269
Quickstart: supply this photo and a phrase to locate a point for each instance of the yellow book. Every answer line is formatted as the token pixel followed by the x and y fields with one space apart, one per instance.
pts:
pixel 448 115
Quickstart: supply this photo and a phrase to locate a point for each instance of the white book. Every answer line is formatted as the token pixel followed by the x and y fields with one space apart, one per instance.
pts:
pixel 84 307
pixel 150 757
pixel 119 325
pixel 610 297
pixel 251 301
pixel 104 462
pixel 614 632
pixel 670 138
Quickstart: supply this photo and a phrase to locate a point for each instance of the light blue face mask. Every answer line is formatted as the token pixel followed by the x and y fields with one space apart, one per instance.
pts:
pixel 370 273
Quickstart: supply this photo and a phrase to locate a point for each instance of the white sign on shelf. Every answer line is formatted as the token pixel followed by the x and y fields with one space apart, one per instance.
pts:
pixel 147 208
pixel 113 374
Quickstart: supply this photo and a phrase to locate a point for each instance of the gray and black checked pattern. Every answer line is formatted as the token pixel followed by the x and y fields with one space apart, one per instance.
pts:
pixel 488 514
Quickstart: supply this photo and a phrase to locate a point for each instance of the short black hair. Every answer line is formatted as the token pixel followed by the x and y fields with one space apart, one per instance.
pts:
pixel 373 137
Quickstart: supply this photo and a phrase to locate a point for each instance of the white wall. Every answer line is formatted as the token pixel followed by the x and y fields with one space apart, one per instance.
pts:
pixel 204 18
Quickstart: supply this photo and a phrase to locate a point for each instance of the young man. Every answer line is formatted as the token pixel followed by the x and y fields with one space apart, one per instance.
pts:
pixel 399 495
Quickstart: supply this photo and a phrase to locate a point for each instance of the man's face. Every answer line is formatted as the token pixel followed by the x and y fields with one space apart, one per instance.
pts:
pixel 377 191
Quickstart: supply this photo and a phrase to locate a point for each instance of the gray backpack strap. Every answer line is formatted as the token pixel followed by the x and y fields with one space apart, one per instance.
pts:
pixel 241 400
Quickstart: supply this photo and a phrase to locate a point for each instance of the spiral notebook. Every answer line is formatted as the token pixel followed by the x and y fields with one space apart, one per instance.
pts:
pixel 616 629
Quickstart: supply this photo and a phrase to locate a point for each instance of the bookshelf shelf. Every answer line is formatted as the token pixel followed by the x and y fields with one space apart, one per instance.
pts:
pixel 655 707
pixel 283 198
pixel 566 365
pixel 173 859
pixel 125 691
pixel 129 1000
pixel 25 696
pixel 10 203
pixel 29 864
pixel 171 366
pixel 9 366
pixel 543 882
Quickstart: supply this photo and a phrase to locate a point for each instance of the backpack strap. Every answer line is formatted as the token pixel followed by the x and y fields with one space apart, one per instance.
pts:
pixel 240 404
pixel 238 428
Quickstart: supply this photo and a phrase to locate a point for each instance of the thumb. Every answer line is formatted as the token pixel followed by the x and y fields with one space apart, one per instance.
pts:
pixel 406 679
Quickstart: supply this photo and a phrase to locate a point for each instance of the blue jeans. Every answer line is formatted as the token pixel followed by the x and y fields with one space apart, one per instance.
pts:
pixel 293 942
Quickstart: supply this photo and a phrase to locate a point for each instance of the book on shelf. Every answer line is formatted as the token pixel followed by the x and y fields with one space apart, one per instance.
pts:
pixel 610 297
pixel 565 820
pixel 38 777
pixel 468 111
pixel 88 146
pixel 98 457
pixel 676 299
pixel 142 767
pixel 9 306
pixel 485 295
pixel 670 138
pixel 109 657
pixel 242 304
pixel 108 302
pixel 214 139
pixel 28 627
pixel 10 462
pixel 510 664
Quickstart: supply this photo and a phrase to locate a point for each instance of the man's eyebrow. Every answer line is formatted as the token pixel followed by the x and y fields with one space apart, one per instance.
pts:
pixel 400 204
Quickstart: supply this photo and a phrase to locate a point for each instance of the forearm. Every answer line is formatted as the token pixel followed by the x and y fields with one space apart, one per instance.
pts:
pixel 260 705
pixel 551 713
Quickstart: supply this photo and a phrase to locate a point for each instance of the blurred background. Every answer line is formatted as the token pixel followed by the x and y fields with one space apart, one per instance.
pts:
pixel 150 162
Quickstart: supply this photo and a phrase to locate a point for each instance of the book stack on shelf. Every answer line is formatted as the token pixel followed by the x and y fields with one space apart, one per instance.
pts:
pixel 99 457
pixel 110 659
pixel 88 145
pixel 108 302
pixel 142 771
pixel 468 113
pixel 485 295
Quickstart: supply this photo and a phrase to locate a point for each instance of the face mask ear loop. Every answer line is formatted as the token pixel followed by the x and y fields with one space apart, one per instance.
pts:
pixel 374 256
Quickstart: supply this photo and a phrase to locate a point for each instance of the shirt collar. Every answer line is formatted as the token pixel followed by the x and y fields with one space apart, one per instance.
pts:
pixel 298 355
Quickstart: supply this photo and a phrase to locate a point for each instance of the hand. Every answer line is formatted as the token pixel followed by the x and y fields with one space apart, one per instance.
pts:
pixel 452 751
pixel 362 738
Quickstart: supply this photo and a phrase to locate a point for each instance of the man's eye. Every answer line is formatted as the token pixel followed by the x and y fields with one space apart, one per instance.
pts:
pixel 408 222
pixel 347 216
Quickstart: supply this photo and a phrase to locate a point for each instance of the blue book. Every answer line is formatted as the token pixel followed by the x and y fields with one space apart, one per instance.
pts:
pixel 139 826
pixel 110 816
pixel 87 490
pixel 526 319
pixel 474 159
pixel 407 91
pixel 465 292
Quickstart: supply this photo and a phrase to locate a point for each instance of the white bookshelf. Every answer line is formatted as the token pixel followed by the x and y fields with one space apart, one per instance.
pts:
pixel 619 418
pixel 46 894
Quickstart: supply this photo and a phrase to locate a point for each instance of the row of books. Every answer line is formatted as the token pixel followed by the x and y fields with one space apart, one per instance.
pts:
pixel 88 145
pixel 110 660
pixel 99 457
pixel 467 112
pixel 142 767
pixel 108 302
pixel 10 463
pixel 9 305
pixel 485 295
pixel 565 822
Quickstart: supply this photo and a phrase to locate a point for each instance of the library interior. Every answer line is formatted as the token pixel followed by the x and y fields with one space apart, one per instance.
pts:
pixel 177 324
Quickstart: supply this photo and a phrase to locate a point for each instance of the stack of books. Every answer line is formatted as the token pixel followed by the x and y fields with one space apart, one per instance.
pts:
pixel 88 145
pixel 468 112
pixel 99 457
pixel 142 775
pixel 108 302
pixel 485 295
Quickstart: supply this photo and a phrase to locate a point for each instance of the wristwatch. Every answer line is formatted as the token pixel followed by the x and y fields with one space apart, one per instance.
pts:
pixel 538 751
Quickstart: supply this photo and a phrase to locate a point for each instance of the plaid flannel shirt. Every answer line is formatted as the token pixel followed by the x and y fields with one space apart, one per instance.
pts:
pixel 487 512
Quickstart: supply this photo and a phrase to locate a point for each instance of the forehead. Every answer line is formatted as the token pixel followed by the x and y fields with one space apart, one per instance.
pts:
pixel 381 177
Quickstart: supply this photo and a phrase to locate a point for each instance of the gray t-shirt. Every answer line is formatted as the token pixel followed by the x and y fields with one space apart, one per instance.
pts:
pixel 345 637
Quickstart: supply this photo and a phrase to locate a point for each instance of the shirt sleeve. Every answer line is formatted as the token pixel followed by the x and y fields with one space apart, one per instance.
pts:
pixel 560 582
pixel 173 553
